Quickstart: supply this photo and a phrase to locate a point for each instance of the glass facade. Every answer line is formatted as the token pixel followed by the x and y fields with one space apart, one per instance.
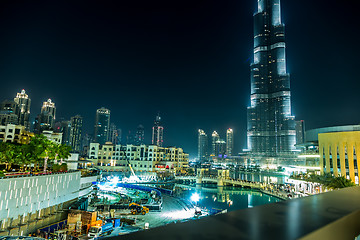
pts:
pixel 102 125
pixel 271 127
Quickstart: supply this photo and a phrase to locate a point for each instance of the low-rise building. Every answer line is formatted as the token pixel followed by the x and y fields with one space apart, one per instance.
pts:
pixel 338 154
pixel 11 133
pixel 142 158
pixel 53 136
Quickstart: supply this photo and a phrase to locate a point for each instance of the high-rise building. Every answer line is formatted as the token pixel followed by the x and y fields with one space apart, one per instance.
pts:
pixel 130 138
pixel 140 135
pixel 49 107
pixel 300 131
pixel 46 119
pixel 64 127
pixel 8 113
pixel 220 148
pixel 158 132
pixel 229 142
pixel 23 110
pixel 76 133
pixel 214 138
pixel 114 134
pixel 202 146
pixel 271 127
pixel 102 125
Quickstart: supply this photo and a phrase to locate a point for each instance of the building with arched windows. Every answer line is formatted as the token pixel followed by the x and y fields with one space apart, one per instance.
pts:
pixel 145 158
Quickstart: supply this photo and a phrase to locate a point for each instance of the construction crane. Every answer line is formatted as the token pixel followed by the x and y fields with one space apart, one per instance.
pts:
pixel 131 169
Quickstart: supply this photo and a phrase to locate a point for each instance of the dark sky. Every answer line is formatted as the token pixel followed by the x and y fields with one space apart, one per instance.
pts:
pixel 187 59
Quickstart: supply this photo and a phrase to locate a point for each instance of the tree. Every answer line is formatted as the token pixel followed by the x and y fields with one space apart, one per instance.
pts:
pixel 340 182
pixel 7 154
pixel 42 149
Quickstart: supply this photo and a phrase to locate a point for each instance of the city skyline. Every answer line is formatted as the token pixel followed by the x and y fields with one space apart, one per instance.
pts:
pixel 178 57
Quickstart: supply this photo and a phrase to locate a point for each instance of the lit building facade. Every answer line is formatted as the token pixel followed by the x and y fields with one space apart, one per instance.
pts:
pixel 102 125
pixel 76 133
pixel 23 110
pixel 140 135
pixel 158 132
pixel 64 127
pixel 50 108
pixel 8 114
pixel 300 131
pixel 46 119
pixel 148 158
pixel 271 126
pixel 114 134
pixel 338 154
pixel 220 148
pixel 202 146
pixel 53 136
pixel 229 142
pixel 214 138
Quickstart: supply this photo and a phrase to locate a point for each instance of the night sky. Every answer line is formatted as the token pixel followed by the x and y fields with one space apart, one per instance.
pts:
pixel 187 59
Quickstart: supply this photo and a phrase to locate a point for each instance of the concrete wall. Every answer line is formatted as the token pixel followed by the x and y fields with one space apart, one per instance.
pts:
pixel 29 195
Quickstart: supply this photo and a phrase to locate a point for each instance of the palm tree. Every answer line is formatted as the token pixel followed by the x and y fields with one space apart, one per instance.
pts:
pixel 340 182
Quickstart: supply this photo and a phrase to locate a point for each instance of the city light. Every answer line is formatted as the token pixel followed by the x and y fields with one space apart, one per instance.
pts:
pixel 195 197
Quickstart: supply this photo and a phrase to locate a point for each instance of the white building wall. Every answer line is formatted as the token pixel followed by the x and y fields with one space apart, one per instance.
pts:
pixel 19 196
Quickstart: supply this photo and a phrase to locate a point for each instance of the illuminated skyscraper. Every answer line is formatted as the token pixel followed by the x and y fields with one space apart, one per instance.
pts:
pixel 140 135
pixel 300 131
pixel 114 134
pixel 271 127
pixel 229 142
pixel 46 119
pixel 102 126
pixel 214 138
pixel 64 127
pixel 202 146
pixel 220 148
pixel 76 133
pixel 8 114
pixel 158 132
pixel 23 110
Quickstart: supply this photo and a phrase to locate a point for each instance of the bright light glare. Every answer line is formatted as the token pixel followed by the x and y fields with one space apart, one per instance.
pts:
pixel 114 180
pixel 180 214
pixel 195 197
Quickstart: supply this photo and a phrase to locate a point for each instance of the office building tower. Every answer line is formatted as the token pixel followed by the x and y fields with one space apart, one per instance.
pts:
pixel 23 109
pixel 114 134
pixel 140 135
pixel 220 148
pixel 64 127
pixel 49 107
pixel 229 142
pixel 46 119
pixel 76 133
pixel 102 125
pixel 214 138
pixel 271 127
pixel 202 146
pixel 130 138
pixel 86 140
pixel 8 113
pixel 158 132
pixel 300 131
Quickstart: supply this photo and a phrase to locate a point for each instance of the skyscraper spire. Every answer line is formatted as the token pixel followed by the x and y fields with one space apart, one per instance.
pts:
pixel 158 132
pixel 271 127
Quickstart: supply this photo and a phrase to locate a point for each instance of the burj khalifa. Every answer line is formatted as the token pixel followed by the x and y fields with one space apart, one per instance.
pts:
pixel 271 126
